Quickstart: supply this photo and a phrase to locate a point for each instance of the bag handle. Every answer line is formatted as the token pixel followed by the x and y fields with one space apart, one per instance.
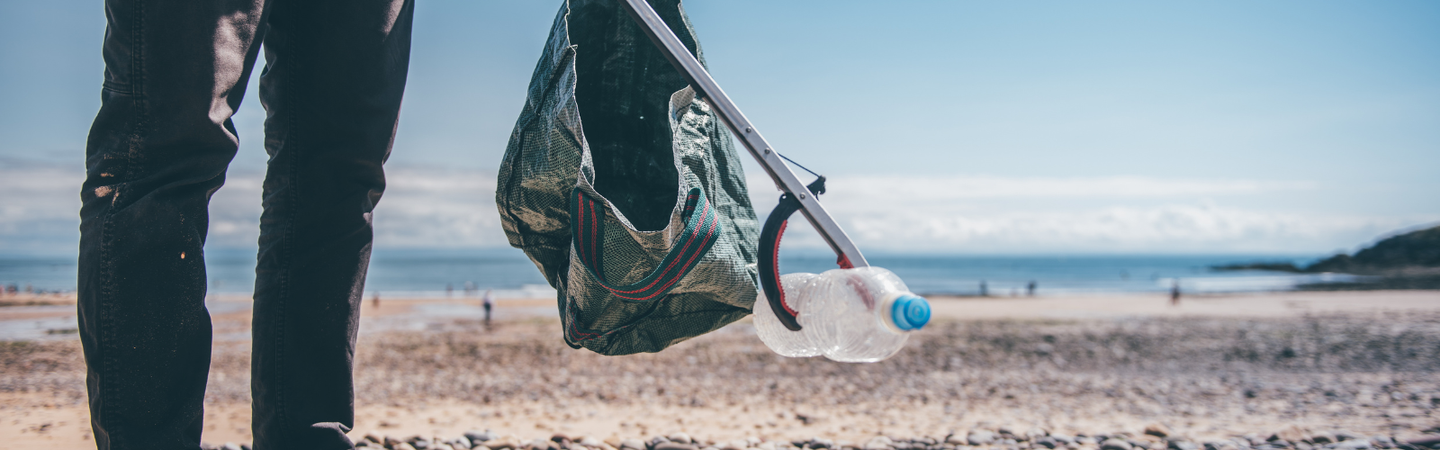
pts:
pixel 770 255
pixel 700 233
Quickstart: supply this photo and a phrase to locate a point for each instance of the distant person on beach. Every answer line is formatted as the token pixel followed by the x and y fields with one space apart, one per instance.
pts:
pixel 1175 293
pixel 984 290
pixel 175 73
pixel 488 302
pixel 1030 289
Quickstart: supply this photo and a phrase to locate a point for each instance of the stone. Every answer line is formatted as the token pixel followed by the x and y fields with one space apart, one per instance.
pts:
pixel 738 444
pixel 1430 441
pixel 403 446
pixel 480 436
pixel 1180 444
pixel 1342 436
pixel 675 446
pixel 1354 444
pixel 878 443
pixel 590 441
pixel 442 446
pixel 1323 438
pixel 1291 433
pixel 818 443
pixel 505 443
pixel 1157 430
pixel 632 444
pixel 1115 444
pixel 980 437
pixel 461 442
pixel 1035 433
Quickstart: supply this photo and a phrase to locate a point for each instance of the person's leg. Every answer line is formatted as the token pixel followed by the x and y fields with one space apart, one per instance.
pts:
pixel 175 71
pixel 335 71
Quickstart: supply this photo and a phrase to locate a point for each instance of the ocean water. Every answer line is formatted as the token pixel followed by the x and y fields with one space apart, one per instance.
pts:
pixel 428 273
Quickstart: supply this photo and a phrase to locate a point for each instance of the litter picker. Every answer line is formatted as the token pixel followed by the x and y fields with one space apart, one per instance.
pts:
pixel 797 195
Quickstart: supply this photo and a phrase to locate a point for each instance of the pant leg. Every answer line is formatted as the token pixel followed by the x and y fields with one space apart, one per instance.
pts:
pixel 335 72
pixel 175 71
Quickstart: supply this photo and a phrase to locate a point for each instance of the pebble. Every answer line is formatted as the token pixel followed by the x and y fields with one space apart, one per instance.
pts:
pixel 980 437
pixel 1157 430
pixel 1115 444
pixel 632 444
pixel 503 443
pixel 1153 437
pixel 480 436
pixel 1182 445
pixel 1353 444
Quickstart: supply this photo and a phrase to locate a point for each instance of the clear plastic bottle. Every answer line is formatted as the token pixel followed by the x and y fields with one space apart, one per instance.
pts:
pixel 848 315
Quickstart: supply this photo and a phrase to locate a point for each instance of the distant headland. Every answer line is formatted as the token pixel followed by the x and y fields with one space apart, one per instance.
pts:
pixel 1405 261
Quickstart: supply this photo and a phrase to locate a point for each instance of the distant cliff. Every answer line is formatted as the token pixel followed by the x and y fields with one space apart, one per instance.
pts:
pixel 1413 252
pixel 1416 250
pixel 1406 261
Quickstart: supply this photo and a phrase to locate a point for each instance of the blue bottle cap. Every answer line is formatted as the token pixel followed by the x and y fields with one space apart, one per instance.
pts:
pixel 910 312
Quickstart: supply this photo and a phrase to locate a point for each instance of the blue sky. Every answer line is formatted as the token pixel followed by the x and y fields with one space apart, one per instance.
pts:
pixel 961 127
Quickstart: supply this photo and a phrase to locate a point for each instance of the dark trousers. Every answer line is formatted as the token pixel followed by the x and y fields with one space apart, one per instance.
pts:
pixel 175 71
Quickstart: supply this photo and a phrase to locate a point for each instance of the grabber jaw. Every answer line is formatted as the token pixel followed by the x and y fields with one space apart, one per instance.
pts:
pixel 770 255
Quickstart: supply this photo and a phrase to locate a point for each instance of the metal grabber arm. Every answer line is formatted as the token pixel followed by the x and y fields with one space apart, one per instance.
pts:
pixel 796 195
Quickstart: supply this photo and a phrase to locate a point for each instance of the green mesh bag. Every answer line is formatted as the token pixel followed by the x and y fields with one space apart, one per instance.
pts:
pixel 626 190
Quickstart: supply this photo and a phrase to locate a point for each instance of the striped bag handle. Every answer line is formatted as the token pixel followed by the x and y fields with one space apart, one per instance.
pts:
pixel 588 231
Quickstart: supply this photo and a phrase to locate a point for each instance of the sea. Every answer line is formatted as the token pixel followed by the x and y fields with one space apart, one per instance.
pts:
pixel 412 273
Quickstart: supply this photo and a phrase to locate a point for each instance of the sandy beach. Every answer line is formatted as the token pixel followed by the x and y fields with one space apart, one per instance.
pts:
pixel 1214 367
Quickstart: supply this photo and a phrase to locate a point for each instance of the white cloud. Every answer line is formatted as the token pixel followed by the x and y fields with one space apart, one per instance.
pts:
pixel 441 207
pixel 1111 214
pixel 39 207
pixel 422 207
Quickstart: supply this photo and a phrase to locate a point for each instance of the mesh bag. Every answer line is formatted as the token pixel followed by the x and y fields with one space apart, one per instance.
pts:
pixel 640 218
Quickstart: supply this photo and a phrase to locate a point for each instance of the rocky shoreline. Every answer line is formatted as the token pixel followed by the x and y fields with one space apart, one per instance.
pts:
pixel 1340 382
pixel 1154 437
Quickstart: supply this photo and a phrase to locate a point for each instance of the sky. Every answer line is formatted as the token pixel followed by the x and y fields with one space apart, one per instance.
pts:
pixel 1047 127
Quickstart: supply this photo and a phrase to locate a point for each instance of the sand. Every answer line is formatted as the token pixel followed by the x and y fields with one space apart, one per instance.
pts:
pixel 1213 366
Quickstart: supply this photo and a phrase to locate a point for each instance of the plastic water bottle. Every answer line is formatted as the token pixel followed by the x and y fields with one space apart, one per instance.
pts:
pixel 848 315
